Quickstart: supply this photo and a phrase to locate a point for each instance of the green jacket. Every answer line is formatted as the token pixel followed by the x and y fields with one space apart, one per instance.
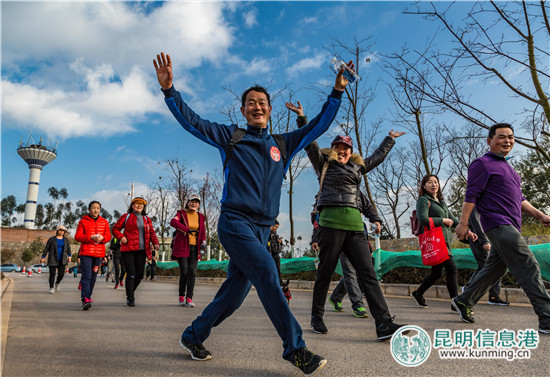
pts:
pixel 427 207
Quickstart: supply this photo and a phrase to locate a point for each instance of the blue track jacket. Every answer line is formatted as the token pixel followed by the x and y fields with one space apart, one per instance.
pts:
pixel 255 171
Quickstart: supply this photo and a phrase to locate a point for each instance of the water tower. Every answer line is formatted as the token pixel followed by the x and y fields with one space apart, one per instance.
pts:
pixel 36 156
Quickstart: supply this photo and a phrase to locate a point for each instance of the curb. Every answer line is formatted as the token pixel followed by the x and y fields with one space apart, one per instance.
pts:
pixel 512 295
pixel 7 289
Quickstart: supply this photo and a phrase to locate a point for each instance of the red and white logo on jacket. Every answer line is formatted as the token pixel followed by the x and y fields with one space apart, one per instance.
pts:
pixel 275 154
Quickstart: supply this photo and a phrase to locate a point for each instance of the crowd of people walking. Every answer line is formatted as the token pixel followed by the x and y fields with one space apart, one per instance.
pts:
pixel 254 165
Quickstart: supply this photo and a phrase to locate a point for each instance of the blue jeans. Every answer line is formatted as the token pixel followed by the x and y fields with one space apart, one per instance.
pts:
pixel 89 267
pixel 509 251
pixel 250 263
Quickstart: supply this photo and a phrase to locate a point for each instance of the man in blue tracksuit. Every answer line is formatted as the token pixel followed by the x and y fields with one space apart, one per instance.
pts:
pixel 250 203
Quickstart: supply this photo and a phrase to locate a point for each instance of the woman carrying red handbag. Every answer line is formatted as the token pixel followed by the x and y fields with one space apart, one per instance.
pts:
pixel 431 206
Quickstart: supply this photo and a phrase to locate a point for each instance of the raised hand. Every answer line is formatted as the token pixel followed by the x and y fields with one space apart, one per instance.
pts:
pixel 298 109
pixel 395 134
pixel 341 82
pixel 163 66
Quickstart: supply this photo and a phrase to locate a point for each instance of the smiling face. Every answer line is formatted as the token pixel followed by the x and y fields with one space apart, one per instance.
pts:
pixel 343 151
pixel 256 110
pixel 137 207
pixel 503 141
pixel 193 205
pixel 432 186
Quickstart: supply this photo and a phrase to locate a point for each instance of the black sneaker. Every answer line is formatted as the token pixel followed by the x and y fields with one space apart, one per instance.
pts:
pixel 420 300
pixel 305 360
pixel 385 330
pixel 197 351
pixel 544 330
pixel 497 301
pixel 464 311
pixel 453 308
pixel 318 325
pixel 131 302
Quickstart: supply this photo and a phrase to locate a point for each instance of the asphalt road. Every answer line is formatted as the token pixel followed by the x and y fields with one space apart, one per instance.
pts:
pixel 49 335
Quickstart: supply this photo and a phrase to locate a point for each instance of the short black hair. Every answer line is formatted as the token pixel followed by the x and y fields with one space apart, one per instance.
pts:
pixel 255 88
pixel 93 202
pixel 494 127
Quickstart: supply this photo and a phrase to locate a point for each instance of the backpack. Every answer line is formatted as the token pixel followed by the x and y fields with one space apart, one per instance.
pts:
pixel 416 228
pixel 237 136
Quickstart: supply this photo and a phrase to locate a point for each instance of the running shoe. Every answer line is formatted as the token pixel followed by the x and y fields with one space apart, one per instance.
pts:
pixel 497 301
pixel 197 351
pixel 337 306
pixel 360 312
pixel 189 303
pixel 318 325
pixel 464 311
pixel 305 360
pixel 57 287
pixel 52 290
pixel 86 304
pixel 181 301
pixel 420 300
pixel 385 330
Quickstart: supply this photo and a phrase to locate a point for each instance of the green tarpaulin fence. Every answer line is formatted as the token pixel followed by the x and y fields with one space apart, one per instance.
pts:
pixel 385 261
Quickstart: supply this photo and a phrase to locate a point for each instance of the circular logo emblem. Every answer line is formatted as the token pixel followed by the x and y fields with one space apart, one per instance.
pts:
pixel 411 346
pixel 275 154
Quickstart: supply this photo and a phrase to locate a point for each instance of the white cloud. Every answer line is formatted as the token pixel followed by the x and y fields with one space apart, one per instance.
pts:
pixel 105 107
pixel 306 64
pixel 115 33
pixel 250 18
pixel 85 69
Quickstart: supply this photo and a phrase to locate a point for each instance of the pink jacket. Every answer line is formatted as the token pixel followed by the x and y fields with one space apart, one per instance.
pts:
pixel 181 242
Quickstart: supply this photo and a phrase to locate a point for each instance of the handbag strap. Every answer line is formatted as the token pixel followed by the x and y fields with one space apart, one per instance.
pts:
pixel 432 225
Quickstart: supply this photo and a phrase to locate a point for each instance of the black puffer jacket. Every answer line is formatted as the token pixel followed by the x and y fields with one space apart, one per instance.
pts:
pixel 342 182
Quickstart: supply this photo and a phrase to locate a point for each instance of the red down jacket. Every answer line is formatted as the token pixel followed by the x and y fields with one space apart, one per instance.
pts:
pixel 87 227
pixel 131 232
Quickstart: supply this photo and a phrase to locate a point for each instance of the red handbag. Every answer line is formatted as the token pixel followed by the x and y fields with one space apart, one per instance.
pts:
pixel 432 245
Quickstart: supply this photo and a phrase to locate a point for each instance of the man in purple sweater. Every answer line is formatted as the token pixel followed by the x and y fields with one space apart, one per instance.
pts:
pixel 494 189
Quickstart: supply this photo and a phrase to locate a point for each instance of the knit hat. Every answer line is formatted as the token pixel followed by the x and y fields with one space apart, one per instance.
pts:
pixel 342 139
pixel 138 200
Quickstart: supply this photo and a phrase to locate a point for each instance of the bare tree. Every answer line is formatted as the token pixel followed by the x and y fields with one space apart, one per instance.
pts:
pixel 179 180
pixel 496 42
pixel 161 207
pixel 392 192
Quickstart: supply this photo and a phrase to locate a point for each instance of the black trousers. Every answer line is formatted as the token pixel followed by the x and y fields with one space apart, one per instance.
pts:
pixel 134 262
pixel 60 268
pixel 277 259
pixel 119 268
pixel 188 268
pixel 435 274
pixel 355 246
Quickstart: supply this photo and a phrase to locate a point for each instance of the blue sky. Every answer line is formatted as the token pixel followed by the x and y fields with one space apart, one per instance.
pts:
pixel 82 75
